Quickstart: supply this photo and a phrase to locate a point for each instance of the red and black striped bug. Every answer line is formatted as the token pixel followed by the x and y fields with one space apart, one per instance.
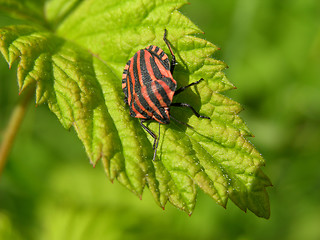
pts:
pixel 149 87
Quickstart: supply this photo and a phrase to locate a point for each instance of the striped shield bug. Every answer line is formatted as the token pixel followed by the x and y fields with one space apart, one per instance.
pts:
pixel 149 87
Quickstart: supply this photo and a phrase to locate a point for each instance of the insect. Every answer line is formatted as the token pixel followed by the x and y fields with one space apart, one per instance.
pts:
pixel 149 88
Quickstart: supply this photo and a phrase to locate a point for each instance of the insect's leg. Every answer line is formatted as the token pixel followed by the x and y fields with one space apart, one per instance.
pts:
pixel 178 121
pixel 183 88
pixel 188 106
pixel 156 139
pixel 173 61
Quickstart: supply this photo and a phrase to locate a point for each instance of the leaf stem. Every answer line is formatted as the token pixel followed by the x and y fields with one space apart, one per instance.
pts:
pixel 14 123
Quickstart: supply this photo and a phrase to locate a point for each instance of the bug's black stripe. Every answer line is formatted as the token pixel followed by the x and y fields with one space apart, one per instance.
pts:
pixel 130 86
pixel 155 68
pixel 137 86
pixel 163 94
pixel 144 71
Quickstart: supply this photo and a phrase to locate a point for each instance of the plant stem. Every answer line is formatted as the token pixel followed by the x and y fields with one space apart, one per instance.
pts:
pixel 13 126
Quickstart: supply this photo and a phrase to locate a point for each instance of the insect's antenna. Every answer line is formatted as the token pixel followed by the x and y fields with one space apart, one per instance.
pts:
pixel 183 123
pixel 167 42
pixel 173 61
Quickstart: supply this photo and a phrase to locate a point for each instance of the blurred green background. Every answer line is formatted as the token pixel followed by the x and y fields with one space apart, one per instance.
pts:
pixel 50 191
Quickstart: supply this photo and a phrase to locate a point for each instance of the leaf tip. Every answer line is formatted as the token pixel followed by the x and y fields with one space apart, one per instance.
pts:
pixel 93 163
pixel 224 203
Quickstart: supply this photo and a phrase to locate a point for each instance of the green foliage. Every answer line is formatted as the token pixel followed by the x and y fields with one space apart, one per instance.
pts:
pixel 74 58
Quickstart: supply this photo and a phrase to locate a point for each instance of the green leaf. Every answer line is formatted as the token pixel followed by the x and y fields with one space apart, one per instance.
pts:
pixel 76 69
pixel 27 10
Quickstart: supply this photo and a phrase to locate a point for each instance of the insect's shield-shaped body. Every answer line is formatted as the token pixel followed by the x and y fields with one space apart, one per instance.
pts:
pixel 149 87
